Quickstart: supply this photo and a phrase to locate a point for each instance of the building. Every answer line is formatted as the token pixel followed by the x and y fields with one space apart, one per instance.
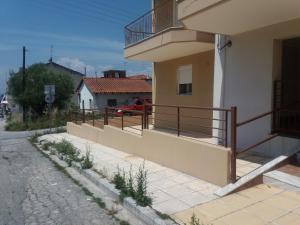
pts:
pixel 225 82
pixel 114 74
pixel 75 75
pixel 97 93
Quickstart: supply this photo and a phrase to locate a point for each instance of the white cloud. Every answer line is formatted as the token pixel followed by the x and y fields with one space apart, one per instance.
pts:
pixel 76 64
pixel 79 65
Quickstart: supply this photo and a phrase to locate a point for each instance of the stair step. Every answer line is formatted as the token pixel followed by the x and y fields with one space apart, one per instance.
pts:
pixel 228 189
pixel 284 177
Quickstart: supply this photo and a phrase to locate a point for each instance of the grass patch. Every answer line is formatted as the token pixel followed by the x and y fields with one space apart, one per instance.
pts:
pixel 42 122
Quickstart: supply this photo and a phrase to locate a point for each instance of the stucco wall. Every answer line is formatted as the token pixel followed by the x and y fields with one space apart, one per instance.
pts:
pixel 166 91
pixel 101 100
pixel 86 95
pixel 205 161
pixel 245 74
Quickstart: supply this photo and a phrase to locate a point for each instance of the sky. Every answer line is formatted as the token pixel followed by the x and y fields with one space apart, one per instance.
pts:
pixel 83 33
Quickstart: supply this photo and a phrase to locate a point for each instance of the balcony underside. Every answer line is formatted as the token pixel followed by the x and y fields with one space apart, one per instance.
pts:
pixel 236 16
pixel 170 44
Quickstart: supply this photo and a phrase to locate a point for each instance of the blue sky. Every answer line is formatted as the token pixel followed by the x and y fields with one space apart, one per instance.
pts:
pixel 84 33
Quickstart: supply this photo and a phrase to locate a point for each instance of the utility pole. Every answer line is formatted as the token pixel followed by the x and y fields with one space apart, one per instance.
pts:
pixel 24 82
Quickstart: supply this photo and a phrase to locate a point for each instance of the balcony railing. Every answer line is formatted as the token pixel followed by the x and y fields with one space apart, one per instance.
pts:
pixel 156 20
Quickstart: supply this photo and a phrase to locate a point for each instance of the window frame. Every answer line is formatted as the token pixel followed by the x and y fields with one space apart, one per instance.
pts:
pixel 189 85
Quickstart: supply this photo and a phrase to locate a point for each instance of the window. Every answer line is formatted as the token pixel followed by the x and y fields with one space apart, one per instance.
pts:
pixel 112 102
pixel 91 103
pixel 184 80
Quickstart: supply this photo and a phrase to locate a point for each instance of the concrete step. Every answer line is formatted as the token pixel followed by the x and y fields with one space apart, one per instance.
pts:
pixel 230 188
pixel 284 177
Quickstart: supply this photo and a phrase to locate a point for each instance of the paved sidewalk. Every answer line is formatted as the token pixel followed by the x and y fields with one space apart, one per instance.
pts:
pixel 261 205
pixel 172 191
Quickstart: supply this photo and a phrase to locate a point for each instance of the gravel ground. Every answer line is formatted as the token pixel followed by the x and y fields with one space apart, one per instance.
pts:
pixel 33 191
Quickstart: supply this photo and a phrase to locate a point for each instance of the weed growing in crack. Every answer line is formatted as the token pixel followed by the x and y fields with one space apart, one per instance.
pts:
pixel 112 211
pixel 141 195
pixel 46 146
pixel 99 202
pixel 194 221
pixel 163 215
pixel 130 185
pixel 120 180
pixel 70 153
pixel 34 138
pixel 137 189
pixel 87 161
pixel 123 222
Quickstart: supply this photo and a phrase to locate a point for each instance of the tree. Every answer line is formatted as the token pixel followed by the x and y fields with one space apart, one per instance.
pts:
pixel 37 76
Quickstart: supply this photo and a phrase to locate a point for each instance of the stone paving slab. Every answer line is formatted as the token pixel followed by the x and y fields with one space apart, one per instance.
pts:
pixel 260 205
pixel 172 191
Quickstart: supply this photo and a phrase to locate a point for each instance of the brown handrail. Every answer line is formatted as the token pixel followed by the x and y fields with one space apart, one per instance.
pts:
pixel 255 118
pixel 257 144
pixel 126 110
pixel 191 107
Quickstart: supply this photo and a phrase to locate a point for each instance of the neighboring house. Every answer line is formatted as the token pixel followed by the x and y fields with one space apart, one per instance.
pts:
pixel 97 93
pixel 75 75
pixel 114 74
pixel 221 71
pixel 148 79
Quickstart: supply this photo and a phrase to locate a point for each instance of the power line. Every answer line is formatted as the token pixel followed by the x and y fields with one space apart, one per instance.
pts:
pixel 107 7
pixel 107 11
pixel 78 11
pixel 87 18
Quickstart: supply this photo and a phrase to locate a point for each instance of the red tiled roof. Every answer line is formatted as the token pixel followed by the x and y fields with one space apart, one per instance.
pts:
pixel 138 77
pixel 117 85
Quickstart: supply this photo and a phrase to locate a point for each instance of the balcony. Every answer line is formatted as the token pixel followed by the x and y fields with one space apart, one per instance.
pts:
pixel 233 17
pixel 158 36
pixel 156 20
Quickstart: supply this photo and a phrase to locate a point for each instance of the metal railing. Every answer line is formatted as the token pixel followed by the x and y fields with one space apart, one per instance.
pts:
pixel 129 120
pixel 156 20
pixel 189 122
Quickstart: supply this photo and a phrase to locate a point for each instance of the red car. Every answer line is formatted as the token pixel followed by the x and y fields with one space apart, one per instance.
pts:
pixel 136 105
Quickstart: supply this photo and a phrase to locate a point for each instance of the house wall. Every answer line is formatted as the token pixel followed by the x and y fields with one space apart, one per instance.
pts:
pixel 165 83
pixel 205 161
pixel 245 74
pixel 86 95
pixel 122 99
pixel 99 101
